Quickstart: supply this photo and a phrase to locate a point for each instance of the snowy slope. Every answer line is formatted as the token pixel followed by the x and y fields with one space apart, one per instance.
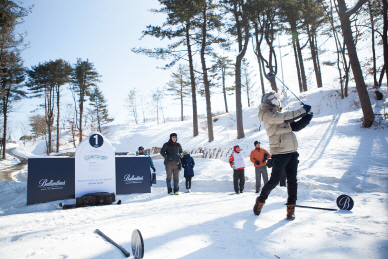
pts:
pixel 337 157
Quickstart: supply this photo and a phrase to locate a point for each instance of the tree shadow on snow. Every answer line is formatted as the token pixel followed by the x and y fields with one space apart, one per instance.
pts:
pixel 357 178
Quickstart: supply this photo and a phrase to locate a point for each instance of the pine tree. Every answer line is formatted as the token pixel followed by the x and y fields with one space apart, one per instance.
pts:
pixel 157 97
pixel 238 8
pixel 344 14
pixel 265 18
pixel 99 108
pixel 12 72
pixel 131 104
pixel 210 21
pixel 246 81
pixel 179 85
pixel 180 23
pixel 41 83
pixel 61 71
pixel 11 89
pixel 83 79
pixel 222 67
pixel 45 80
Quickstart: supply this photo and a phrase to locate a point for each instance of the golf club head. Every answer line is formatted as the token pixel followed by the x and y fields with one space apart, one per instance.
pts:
pixel 345 202
pixel 271 75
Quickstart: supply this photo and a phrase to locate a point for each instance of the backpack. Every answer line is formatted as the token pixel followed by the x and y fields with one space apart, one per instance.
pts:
pixel 98 198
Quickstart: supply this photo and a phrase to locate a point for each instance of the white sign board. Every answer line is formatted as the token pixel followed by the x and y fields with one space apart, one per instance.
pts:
pixel 95 169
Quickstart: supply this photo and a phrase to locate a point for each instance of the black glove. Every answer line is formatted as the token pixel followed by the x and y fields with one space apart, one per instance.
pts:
pixel 153 168
pixel 307 108
pixel 307 118
pixel 269 163
pixel 265 157
pixel 257 162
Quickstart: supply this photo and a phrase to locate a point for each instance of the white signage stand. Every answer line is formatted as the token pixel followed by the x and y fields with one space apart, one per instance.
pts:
pixel 95 168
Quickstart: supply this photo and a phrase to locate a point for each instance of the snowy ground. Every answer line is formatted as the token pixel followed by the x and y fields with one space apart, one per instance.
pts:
pixel 10 160
pixel 337 157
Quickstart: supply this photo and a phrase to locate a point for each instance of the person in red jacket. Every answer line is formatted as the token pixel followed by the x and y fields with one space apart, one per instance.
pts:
pixel 259 157
pixel 236 161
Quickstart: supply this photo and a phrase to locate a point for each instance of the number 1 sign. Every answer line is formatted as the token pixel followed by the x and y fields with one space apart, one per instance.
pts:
pixel 95 169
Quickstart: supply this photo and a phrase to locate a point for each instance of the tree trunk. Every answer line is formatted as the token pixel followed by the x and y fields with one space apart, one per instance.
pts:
pixel 181 101
pixel 314 56
pixel 382 75
pixel 4 144
pixel 258 55
pixel 297 66
pixel 49 146
pixel 81 112
pixel 223 71
pixel 261 78
pixel 157 112
pixel 249 105
pixel 385 41
pixel 58 128
pixel 242 51
pixel 375 84
pixel 301 65
pixel 355 65
pixel 192 79
pixel 205 78
pixel 99 121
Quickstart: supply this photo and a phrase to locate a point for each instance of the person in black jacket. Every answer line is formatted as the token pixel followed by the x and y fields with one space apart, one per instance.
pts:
pixel 188 165
pixel 172 153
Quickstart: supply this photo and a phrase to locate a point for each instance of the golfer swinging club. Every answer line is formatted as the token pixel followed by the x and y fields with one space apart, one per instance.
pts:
pixel 283 145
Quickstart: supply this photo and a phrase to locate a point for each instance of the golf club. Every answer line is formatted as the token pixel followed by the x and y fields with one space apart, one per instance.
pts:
pixel 272 75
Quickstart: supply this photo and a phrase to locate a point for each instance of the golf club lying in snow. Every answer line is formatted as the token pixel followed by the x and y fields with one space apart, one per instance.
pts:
pixel 344 202
pixel 137 244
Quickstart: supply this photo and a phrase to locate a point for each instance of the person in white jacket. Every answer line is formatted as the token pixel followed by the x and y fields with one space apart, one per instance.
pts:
pixel 283 147
pixel 236 161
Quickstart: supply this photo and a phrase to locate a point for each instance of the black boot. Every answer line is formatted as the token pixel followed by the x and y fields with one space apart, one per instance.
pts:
pixel 176 191
pixel 169 191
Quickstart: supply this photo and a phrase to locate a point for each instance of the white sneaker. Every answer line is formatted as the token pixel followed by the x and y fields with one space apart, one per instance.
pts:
pixel 189 190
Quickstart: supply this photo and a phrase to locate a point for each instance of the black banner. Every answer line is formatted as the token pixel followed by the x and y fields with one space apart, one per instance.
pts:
pixel 133 175
pixel 50 179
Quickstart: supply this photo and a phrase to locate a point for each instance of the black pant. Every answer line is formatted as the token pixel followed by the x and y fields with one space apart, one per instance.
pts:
pixel 289 164
pixel 188 182
pixel 238 174
pixel 283 178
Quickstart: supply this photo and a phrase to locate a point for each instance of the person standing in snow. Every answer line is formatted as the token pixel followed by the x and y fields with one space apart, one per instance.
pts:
pixel 172 153
pixel 188 165
pixel 236 161
pixel 283 145
pixel 141 153
pixel 259 157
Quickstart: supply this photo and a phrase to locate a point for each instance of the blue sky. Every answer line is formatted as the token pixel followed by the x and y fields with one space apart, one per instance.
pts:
pixel 103 32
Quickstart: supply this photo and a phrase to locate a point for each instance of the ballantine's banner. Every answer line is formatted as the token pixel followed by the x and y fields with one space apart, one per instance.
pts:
pixel 95 169
pixel 133 175
pixel 50 179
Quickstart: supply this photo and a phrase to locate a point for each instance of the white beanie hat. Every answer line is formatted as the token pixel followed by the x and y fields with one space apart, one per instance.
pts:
pixel 272 98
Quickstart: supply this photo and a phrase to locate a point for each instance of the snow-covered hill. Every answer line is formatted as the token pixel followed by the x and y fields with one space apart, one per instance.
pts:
pixel 337 156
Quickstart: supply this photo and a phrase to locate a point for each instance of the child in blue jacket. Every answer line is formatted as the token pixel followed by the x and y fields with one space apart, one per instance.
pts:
pixel 188 165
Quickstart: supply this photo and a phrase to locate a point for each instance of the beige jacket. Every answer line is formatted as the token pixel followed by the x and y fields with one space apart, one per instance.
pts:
pixel 277 125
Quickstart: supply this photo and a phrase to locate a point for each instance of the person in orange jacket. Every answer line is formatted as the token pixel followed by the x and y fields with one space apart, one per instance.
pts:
pixel 259 157
pixel 236 161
